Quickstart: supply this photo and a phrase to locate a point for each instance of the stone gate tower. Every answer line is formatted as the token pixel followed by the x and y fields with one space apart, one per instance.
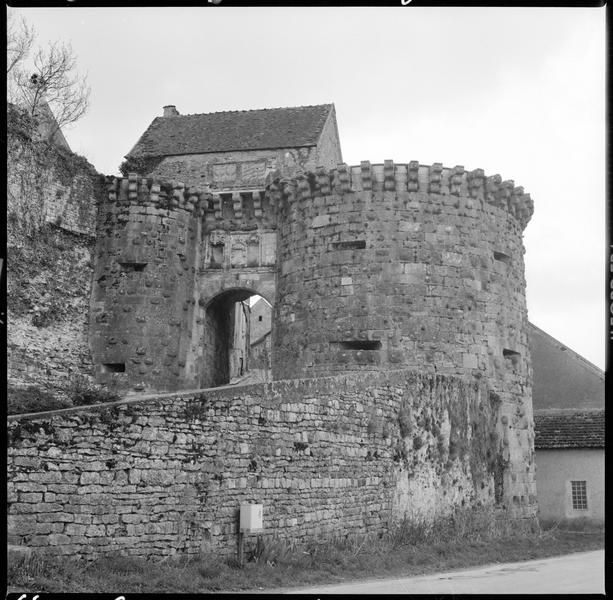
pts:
pixel 409 266
pixel 368 268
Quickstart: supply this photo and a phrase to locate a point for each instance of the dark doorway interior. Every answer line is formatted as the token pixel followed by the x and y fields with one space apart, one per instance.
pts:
pixel 227 338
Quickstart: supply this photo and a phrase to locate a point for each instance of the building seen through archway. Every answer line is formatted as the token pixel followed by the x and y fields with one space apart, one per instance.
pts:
pixel 238 326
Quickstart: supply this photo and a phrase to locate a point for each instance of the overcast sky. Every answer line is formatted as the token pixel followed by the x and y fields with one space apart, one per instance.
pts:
pixel 514 91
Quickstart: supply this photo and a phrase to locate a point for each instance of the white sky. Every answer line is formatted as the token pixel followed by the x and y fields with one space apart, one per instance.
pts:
pixel 514 91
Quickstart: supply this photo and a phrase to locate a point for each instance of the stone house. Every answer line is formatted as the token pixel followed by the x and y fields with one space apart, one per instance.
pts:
pixel 261 320
pixel 237 150
pixel 568 401
pixel 260 343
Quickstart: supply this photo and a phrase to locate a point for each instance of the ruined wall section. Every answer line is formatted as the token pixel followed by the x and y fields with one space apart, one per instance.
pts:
pixel 388 266
pixel 350 454
pixel 143 299
pixel 46 183
pixel 52 196
pixel 48 287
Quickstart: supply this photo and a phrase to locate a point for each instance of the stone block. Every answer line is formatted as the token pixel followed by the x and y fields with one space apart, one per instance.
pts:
pixel 320 221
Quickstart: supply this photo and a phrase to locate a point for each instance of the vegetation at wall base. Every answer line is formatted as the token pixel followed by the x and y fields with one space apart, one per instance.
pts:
pixel 277 564
pixel 78 391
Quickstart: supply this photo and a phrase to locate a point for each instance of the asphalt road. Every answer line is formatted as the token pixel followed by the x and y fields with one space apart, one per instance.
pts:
pixel 578 573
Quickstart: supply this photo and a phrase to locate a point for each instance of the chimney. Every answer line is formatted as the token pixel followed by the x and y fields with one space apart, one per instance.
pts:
pixel 171 111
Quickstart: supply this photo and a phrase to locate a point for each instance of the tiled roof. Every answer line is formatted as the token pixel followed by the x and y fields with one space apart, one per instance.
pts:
pixel 569 429
pixel 562 378
pixel 233 130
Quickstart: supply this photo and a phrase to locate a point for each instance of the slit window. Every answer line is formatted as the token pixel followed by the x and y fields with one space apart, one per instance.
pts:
pixel 133 266
pixel 511 358
pixel 578 491
pixel 502 257
pixel 350 245
pixel 360 345
pixel 113 367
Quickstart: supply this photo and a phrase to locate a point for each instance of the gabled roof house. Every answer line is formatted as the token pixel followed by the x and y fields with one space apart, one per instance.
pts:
pixel 237 149
pixel 569 421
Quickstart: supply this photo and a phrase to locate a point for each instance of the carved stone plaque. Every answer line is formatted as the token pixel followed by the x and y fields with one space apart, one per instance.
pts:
pixel 224 173
pixel 253 173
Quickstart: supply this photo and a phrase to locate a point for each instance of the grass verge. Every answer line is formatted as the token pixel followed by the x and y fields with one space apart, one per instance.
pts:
pixel 278 564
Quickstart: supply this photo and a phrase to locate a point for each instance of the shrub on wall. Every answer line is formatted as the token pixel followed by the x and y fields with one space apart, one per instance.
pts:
pixel 32 399
pixel 83 392
pixel 142 166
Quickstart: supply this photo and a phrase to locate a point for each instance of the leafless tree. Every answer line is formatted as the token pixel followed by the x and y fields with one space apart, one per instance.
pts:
pixel 48 80
pixel 19 40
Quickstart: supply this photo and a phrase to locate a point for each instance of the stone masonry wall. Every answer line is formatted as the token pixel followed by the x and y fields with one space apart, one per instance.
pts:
pixel 143 290
pixel 235 170
pixel 374 267
pixel 51 207
pixel 329 154
pixel 383 265
pixel 159 475
pixel 409 266
pixel 48 288
pixel 46 183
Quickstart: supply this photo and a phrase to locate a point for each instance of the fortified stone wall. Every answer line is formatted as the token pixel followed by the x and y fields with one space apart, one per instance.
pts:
pixel 393 265
pixel 400 265
pixel 143 295
pixel 337 455
pixel 51 207
pixel 46 183
pixel 373 268
pixel 48 288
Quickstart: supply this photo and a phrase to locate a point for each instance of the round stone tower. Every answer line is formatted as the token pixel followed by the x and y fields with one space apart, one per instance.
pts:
pixel 394 266
pixel 143 286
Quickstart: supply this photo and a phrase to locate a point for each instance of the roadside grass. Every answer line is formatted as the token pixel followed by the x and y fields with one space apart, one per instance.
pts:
pixel 274 563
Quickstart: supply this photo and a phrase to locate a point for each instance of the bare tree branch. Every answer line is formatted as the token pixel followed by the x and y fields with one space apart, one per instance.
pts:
pixel 48 81
pixel 19 39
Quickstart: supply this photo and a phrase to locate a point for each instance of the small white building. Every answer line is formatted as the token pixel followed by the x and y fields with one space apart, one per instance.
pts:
pixel 569 448
pixel 568 403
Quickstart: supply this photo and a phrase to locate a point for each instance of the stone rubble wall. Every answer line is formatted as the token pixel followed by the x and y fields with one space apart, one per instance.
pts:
pixel 52 199
pixel 50 183
pixel 48 293
pixel 331 456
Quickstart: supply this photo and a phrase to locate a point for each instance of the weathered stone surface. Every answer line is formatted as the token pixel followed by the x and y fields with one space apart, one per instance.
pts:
pixel 343 454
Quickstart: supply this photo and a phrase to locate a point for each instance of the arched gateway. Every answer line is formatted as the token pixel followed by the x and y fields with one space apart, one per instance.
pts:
pixel 368 268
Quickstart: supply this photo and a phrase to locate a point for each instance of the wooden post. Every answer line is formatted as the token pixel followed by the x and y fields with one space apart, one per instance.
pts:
pixel 240 548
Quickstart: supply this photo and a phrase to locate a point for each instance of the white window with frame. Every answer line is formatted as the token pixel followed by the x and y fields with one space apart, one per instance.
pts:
pixel 578 491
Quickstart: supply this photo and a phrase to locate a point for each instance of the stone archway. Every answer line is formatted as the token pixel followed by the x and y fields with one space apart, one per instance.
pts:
pixel 226 337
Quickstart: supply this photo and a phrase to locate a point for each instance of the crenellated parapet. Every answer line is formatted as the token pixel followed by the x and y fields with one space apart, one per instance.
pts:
pixel 157 194
pixel 407 177
pixel 232 209
pixel 236 209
